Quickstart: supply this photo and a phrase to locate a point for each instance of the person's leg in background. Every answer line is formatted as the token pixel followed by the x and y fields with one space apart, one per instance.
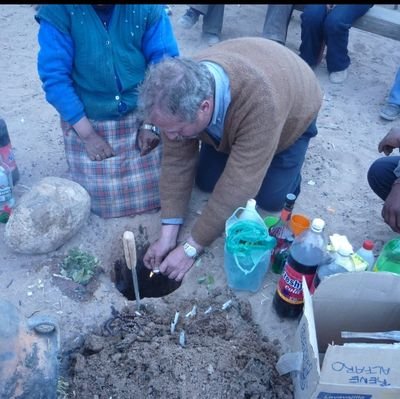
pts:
pixel 276 22
pixel 312 37
pixel 391 110
pixel 336 34
pixel 381 177
pixel 212 23
pixel 284 173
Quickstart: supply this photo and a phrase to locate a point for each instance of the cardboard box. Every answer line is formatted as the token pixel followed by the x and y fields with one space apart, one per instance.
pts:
pixel 326 366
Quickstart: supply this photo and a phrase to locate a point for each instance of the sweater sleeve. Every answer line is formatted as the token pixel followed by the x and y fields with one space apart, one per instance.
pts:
pixel 159 41
pixel 55 60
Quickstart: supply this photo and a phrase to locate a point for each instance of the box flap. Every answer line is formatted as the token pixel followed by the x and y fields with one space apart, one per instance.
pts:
pixel 305 341
pixel 359 301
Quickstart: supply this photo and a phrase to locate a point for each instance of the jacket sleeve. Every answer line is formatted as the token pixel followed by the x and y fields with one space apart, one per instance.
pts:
pixel 159 41
pixel 55 61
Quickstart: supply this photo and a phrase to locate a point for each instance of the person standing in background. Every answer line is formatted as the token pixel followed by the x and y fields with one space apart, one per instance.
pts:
pixel 91 60
pixel 391 110
pixel 213 18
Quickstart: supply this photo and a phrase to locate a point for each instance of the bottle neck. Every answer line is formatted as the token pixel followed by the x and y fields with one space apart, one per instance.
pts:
pixel 286 214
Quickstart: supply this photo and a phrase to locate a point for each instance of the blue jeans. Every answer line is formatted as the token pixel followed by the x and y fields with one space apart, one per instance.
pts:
pixel 283 175
pixel 394 95
pixel 381 176
pixel 318 25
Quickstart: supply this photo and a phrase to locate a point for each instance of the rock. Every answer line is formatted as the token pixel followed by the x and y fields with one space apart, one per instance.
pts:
pixel 47 216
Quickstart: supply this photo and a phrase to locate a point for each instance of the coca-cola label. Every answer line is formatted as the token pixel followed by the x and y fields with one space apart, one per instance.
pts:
pixel 290 287
pixel 7 155
pixel 5 193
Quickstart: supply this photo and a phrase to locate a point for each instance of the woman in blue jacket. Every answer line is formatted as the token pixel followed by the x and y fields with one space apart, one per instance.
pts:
pixel 91 60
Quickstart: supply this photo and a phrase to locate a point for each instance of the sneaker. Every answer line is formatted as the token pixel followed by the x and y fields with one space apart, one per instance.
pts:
pixel 189 19
pixel 338 77
pixel 211 38
pixel 390 112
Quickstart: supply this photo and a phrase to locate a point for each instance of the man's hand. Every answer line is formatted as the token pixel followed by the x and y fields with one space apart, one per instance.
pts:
pixel 147 141
pixel 391 208
pixel 390 141
pixel 161 248
pixel 176 264
pixel 96 148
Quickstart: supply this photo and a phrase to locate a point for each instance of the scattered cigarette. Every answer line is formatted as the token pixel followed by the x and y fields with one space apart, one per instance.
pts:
pixel 193 312
pixel 176 317
pixel 182 338
pixel 172 328
pixel 208 310
pixel 137 313
pixel 227 304
pixel 155 271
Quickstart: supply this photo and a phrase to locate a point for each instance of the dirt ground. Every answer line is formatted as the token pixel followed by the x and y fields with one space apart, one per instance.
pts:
pixel 228 353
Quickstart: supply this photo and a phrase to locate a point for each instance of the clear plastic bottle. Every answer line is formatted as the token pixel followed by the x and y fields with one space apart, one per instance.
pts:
pixel 250 212
pixel 7 200
pixel 366 253
pixel 306 253
pixel 342 263
pixel 283 234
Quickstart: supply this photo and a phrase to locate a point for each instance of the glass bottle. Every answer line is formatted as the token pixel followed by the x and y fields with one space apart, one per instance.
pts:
pixel 283 234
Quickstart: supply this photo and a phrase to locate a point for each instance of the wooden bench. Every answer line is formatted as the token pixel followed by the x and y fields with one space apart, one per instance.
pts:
pixel 379 20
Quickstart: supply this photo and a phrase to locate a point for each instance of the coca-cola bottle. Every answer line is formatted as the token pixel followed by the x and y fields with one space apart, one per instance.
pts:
pixel 283 234
pixel 7 153
pixel 307 251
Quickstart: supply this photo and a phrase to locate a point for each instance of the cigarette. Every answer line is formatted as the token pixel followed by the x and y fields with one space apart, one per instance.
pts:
pixel 155 271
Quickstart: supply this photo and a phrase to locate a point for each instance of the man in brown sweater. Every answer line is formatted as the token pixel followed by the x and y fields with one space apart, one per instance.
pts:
pixel 252 104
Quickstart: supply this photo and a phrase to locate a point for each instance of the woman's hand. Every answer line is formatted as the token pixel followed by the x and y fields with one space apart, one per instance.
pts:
pixel 96 147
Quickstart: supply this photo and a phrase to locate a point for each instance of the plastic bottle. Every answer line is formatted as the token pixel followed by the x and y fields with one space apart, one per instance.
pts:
pixel 306 253
pixel 283 234
pixel 250 212
pixel 367 254
pixel 7 200
pixel 389 258
pixel 341 263
pixel 6 151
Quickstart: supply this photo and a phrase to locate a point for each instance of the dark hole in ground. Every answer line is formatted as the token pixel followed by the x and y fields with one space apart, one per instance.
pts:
pixel 149 287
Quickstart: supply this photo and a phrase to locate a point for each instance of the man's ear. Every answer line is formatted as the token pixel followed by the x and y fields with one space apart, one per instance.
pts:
pixel 205 106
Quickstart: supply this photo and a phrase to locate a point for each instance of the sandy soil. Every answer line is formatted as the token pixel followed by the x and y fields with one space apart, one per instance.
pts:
pixel 334 188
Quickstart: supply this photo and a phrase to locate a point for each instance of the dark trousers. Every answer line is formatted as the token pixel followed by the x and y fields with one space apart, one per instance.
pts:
pixel 276 22
pixel 381 177
pixel 318 25
pixel 283 175
pixel 213 17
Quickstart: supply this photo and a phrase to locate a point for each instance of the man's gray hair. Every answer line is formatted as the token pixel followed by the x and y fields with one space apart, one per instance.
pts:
pixel 176 86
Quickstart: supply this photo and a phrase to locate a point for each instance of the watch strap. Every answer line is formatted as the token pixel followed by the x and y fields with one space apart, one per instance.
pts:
pixel 153 128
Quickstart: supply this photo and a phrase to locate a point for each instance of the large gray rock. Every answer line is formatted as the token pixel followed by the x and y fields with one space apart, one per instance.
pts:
pixel 47 216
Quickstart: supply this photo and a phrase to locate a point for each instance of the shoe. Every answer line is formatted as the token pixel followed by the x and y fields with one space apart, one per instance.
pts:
pixel 168 10
pixel 390 112
pixel 189 19
pixel 211 38
pixel 338 77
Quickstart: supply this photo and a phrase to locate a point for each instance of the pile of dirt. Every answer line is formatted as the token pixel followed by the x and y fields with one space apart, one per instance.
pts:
pixel 135 355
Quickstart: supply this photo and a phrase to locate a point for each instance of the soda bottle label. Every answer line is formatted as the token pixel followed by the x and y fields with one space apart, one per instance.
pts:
pixel 7 155
pixel 290 287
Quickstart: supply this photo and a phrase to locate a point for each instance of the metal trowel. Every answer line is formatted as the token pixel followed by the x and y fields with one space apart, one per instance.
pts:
pixel 131 261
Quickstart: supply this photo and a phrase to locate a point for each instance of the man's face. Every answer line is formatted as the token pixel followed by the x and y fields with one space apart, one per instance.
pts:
pixel 176 129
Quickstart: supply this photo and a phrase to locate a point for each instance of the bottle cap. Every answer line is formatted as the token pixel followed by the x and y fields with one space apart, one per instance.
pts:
pixel 317 224
pixel 368 244
pixel 290 198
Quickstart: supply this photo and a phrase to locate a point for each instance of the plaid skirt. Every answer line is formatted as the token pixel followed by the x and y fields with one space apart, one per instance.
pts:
pixel 126 184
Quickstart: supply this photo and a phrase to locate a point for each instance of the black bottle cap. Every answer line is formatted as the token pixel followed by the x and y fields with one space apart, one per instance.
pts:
pixel 4 137
pixel 290 198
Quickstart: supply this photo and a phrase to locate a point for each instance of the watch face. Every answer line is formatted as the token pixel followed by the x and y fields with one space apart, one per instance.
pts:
pixel 189 250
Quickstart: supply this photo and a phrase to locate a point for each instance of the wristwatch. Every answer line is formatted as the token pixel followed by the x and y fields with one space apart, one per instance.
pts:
pixel 190 250
pixel 148 126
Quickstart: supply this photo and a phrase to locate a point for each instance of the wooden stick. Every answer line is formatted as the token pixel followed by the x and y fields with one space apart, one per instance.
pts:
pixel 131 261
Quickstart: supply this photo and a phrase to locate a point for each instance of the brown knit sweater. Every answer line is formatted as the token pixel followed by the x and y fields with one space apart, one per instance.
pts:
pixel 274 98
